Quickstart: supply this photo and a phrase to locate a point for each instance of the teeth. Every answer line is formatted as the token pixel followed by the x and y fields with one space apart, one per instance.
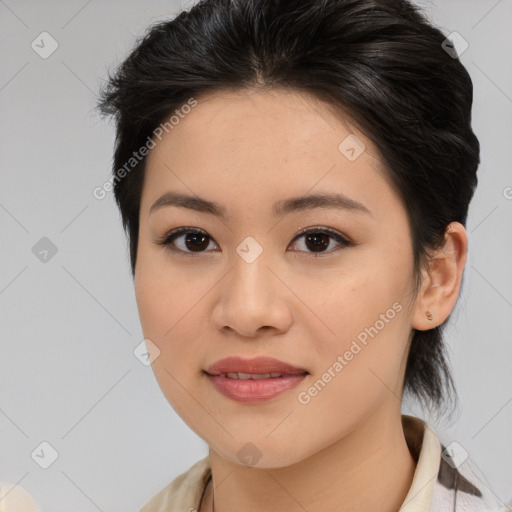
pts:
pixel 254 376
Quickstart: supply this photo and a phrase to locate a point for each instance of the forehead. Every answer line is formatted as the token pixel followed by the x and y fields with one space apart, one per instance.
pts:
pixel 227 119
pixel 261 144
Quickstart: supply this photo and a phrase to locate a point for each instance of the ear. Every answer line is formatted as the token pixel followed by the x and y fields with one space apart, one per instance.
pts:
pixel 441 281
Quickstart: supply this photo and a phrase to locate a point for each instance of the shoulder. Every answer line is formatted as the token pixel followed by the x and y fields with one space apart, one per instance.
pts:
pixel 461 487
pixel 445 480
pixel 184 492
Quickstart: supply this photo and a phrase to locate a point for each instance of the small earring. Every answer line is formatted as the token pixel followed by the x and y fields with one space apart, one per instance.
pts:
pixel 429 315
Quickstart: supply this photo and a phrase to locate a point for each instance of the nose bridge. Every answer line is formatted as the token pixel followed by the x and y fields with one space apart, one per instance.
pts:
pixel 250 295
pixel 250 273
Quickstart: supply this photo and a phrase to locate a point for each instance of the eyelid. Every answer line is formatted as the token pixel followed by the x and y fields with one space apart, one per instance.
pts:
pixel 322 229
pixel 342 240
pixel 166 239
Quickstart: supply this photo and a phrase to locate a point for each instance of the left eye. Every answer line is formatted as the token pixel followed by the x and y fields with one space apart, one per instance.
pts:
pixel 318 239
pixel 197 241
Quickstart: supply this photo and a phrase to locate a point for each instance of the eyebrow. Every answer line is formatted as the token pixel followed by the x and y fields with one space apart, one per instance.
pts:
pixel 293 204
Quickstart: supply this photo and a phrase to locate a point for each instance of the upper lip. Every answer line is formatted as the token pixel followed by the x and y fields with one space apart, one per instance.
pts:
pixel 255 365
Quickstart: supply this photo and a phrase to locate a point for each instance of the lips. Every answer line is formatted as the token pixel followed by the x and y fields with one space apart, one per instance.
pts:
pixel 253 381
pixel 256 368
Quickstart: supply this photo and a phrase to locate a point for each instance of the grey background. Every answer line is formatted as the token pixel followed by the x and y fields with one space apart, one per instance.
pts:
pixel 69 326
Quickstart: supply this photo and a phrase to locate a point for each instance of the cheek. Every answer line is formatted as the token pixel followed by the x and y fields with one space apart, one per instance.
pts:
pixel 351 301
pixel 170 302
pixel 363 319
pixel 169 320
pixel 163 292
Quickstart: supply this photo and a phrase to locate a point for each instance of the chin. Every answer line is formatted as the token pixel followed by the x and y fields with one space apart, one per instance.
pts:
pixel 261 455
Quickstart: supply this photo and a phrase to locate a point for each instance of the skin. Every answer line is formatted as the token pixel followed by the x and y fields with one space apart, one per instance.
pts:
pixel 247 150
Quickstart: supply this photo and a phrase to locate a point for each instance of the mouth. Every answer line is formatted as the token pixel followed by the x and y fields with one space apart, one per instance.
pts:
pixel 253 380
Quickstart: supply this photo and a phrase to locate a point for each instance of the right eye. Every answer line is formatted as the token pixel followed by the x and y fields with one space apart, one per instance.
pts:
pixel 195 241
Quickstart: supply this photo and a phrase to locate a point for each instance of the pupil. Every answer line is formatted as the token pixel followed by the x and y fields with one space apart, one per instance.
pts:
pixel 323 243
pixel 195 237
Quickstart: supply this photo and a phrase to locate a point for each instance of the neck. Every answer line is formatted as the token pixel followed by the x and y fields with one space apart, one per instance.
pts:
pixel 369 469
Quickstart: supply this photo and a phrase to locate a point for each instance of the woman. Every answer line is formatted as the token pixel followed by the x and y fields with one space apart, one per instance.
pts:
pixel 294 178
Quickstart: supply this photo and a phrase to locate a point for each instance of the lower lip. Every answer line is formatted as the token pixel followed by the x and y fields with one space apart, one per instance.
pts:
pixel 252 390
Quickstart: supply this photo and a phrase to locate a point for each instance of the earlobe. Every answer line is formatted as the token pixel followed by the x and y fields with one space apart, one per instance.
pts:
pixel 441 281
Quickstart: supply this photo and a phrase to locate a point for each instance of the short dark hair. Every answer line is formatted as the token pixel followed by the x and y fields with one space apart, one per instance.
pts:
pixel 379 61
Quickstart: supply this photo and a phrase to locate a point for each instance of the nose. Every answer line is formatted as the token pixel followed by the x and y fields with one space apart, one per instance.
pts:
pixel 252 299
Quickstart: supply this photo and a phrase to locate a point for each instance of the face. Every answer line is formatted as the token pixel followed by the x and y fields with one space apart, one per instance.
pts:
pixel 334 302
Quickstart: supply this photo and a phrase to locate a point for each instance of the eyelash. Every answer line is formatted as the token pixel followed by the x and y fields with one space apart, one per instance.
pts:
pixel 169 238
